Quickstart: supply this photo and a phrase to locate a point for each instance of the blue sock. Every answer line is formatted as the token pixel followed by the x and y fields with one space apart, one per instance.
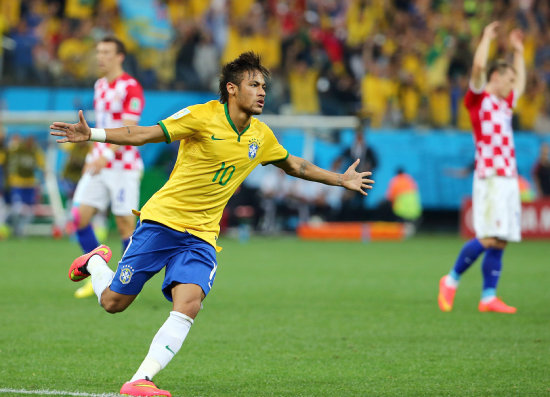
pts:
pixel 125 243
pixel 491 266
pixel 87 239
pixel 468 255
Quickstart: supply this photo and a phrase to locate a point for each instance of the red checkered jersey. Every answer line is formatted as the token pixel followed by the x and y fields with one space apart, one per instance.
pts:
pixel 492 125
pixel 121 99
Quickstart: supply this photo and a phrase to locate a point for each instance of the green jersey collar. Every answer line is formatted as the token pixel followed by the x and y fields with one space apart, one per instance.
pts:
pixel 233 125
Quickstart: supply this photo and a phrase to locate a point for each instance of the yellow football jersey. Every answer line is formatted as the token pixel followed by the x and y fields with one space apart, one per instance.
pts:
pixel 213 160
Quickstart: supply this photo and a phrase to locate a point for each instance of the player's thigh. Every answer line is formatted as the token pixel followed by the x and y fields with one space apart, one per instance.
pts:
pixel 496 208
pixel 146 254
pixel 195 264
pixel 123 191
pixel 512 202
pixel 92 190
pixel 125 225
pixel 484 211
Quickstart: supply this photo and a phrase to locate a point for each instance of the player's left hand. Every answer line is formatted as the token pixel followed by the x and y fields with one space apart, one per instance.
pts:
pixel 516 40
pixel 357 181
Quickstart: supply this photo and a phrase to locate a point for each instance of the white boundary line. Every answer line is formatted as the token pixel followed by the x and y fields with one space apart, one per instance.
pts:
pixel 57 393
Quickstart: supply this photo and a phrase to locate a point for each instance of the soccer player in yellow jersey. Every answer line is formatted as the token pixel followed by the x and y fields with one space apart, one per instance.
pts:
pixel 220 144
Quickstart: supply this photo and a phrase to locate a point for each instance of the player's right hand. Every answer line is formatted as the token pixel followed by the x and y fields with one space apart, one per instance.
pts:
pixel 491 30
pixel 77 132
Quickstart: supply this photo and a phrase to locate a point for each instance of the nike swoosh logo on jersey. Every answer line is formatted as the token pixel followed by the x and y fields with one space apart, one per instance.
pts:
pixel 216 139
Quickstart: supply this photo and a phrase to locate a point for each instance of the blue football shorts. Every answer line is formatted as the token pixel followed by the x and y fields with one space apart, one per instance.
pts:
pixel 186 258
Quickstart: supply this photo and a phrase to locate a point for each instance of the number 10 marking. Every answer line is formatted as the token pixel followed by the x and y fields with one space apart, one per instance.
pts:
pixel 224 178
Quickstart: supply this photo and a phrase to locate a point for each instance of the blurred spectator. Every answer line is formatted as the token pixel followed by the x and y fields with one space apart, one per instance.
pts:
pixel 526 192
pixel 273 189
pixel 401 62
pixel 409 97
pixel 541 172
pixel 302 81
pixel 205 61
pixel 72 171
pixel 76 53
pixel 403 197
pixel 25 160
pixel 186 74
pixel 24 41
pixel 353 205
pixel 530 104
pixel 377 90
pixel 440 107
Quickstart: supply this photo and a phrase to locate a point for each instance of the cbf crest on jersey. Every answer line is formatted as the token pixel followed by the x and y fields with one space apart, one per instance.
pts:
pixel 253 146
pixel 126 274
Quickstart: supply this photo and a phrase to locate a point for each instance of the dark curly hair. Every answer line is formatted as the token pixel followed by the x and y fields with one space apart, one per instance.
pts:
pixel 232 72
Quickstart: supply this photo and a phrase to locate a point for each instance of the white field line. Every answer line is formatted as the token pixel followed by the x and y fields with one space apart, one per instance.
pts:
pixel 57 393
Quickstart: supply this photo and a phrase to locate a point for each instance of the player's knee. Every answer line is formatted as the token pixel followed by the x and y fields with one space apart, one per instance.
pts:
pixel 190 307
pixel 494 243
pixel 80 219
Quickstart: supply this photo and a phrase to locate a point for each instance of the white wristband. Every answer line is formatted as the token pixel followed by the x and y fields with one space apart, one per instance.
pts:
pixel 97 135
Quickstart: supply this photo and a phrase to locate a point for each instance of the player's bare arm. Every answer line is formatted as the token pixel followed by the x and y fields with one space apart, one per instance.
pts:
pixel 128 135
pixel 479 67
pixel 351 180
pixel 516 41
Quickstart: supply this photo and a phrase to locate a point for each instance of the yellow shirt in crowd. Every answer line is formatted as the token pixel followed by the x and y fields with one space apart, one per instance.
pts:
pixel 213 160
pixel 376 92
pixel 303 91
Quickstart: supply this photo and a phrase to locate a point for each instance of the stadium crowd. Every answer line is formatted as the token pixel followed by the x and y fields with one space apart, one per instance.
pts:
pixel 397 63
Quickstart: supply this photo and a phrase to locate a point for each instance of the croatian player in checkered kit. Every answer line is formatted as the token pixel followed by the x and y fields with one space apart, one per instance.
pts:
pixel 111 173
pixel 490 99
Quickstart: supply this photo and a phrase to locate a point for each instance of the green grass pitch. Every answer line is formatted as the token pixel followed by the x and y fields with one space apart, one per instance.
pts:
pixel 287 318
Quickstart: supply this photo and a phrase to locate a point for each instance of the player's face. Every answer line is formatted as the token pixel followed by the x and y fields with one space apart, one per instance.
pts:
pixel 107 57
pixel 506 82
pixel 250 95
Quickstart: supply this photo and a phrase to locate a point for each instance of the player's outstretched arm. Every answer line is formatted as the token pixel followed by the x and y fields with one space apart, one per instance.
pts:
pixel 516 40
pixel 129 135
pixel 481 55
pixel 351 179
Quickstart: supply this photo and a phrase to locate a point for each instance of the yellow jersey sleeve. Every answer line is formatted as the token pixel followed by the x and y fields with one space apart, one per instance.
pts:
pixel 273 151
pixel 183 124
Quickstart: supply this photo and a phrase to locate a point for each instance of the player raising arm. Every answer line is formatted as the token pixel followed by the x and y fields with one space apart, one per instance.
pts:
pixel 220 144
pixel 492 94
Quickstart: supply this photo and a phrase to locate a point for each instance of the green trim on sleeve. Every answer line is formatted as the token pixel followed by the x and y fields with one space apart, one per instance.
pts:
pixel 166 134
pixel 278 161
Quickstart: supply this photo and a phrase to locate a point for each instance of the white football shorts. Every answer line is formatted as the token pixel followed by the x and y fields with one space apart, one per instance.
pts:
pixel 119 188
pixel 497 208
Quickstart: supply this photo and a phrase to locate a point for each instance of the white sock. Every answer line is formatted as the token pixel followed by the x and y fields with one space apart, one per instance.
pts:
pixel 166 343
pixel 102 275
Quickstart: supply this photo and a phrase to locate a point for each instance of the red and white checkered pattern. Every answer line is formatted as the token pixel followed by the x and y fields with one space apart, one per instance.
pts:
pixel 494 139
pixel 121 99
